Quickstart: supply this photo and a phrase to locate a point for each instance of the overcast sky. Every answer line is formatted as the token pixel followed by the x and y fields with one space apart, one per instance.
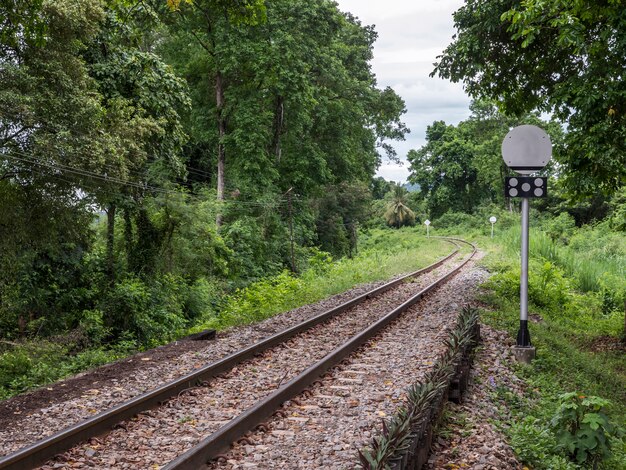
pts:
pixel 411 33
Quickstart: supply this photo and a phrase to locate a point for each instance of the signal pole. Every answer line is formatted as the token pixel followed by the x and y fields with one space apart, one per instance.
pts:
pixel 523 335
pixel 525 150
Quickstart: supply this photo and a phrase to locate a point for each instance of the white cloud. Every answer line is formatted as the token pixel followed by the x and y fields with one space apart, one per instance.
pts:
pixel 411 34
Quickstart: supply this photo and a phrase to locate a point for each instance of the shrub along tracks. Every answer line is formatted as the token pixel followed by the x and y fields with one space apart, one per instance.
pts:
pixel 161 434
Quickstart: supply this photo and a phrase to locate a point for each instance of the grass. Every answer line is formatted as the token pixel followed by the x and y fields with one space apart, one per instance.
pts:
pixel 594 259
pixel 383 254
pixel 576 291
pixel 34 364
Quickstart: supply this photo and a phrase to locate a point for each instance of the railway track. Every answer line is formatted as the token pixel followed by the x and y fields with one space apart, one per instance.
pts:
pixel 280 366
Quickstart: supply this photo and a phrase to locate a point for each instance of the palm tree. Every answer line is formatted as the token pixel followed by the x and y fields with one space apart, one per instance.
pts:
pixel 398 214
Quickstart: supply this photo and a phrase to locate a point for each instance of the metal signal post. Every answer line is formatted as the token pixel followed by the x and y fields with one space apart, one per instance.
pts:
pixel 525 149
pixel 523 335
pixel 493 220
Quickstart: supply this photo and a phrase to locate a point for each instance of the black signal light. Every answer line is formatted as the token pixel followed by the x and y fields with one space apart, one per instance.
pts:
pixel 525 186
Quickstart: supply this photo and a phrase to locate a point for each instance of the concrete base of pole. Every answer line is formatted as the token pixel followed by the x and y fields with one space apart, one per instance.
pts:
pixel 524 354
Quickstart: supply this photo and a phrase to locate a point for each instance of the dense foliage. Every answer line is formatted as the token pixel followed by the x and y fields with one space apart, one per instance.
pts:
pixel 571 414
pixel 156 155
pixel 565 58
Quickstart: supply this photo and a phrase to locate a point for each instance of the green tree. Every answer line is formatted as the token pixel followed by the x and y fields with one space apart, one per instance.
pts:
pixel 302 109
pixel 89 118
pixel 380 186
pixel 562 57
pixel 210 23
pixel 443 169
pixel 461 167
pixel 398 213
pixel 51 120
pixel 138 85
pixel 340 211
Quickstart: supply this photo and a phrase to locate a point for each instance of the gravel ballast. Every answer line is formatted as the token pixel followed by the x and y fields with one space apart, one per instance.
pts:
pixel 474 442
pixel 159 435
pixel 327 426
pixel 322 428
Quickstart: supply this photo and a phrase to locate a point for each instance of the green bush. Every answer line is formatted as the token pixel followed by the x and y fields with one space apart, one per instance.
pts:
pixel 254 253
pixel 582 428
pixel 560 228
pixel 13 364
pixel 617 219
pixel 320 262
pixel 535 444
pixel 202 299
pixel 456 220
pixel 31 364
pixel 595 260
pixel 261 299
pixel 92 323
pixel 547 287
pixel 150 313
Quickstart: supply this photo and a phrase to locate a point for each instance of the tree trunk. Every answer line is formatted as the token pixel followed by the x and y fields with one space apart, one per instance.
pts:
pixel 221 154
pixel 293 258
pixel 168 247
pixel 354 239
pixel 279 117
pixel 110 243
pixel 128 235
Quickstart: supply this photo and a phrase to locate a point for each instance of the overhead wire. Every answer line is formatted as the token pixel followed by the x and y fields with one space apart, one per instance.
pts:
pixel 30 159
pixel 143 174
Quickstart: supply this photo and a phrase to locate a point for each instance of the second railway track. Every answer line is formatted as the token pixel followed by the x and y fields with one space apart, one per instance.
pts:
pixel 154 437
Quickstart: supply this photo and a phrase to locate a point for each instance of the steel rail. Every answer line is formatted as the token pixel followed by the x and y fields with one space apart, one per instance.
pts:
pixel 46 448
pixel 220 441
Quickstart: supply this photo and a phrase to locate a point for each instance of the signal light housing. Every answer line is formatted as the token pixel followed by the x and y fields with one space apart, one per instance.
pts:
pixel 526 186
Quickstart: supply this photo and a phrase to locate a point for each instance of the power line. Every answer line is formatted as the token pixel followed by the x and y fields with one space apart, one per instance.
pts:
pixel 81 172
pixel 141 174
pixel 26 158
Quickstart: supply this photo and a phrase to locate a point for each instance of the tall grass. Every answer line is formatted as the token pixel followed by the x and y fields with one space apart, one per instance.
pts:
pixel 577 286
pixel 592 268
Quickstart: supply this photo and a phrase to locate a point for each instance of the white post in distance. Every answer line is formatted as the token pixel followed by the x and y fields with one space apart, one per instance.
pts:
pixel 427 223
pixel 525 150
pixel 493 220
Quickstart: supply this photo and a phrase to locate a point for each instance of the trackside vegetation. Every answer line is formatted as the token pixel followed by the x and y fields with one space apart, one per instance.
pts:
pixel 156 156
pixel 383 254
pixel 573 413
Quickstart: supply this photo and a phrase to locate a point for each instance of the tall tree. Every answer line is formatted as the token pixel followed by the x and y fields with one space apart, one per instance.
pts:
pixel 443 169
pixel 302 109
pixel 50 118
pixel 562 57
pixel 210 22
pixel 138 85
pixel 339 212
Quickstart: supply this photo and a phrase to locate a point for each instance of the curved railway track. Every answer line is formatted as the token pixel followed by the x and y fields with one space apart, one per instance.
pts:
pixel 278 359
